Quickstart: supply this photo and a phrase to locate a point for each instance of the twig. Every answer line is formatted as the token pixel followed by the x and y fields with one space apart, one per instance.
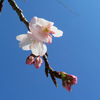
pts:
pixel 47 63
pixel 1 5
pixel 19 12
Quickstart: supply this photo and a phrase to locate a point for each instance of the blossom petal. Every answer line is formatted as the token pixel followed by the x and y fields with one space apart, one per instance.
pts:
pixel 21 37
pixel 26 47
pixel 33 20
pixel 38 48
pixel 44 22
pixel 49 39
pixel 39 21
pixel 56 32
pixel 38 36
pixel 67 86
pixel 33 26
pixel 25 41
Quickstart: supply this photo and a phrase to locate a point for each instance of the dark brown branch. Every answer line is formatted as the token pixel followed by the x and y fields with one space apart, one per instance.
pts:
pixel 1 1
pixel 1 5
pixel 19 12
pixel 48 69
pixel 53 73
pixel 53 78
pixel 47 63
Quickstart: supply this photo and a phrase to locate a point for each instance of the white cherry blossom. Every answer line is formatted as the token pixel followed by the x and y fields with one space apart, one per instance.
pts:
pixel 28 42
pixel 40 29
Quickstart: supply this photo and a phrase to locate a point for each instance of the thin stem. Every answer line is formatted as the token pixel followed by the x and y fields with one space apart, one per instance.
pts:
pixel 1 5
pixel 47 63
pixel 19 12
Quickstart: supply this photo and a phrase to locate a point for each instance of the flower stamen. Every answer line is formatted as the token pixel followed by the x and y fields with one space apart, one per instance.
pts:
pixel 46 30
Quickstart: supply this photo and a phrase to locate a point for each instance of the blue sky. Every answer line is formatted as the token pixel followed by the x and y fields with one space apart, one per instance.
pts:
pixel 77 52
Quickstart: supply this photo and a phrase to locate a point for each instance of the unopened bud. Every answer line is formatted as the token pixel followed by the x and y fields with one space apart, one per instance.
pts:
pixel 73 79
pixel 30 60
pixel 37 63
pixel 68 81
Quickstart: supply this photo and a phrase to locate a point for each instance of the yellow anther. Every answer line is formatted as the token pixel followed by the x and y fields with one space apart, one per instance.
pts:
pixel 46 30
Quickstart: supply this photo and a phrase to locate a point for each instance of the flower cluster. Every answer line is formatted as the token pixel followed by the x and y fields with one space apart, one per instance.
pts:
pixel 35 39
pixel 40 30
pixel 68 80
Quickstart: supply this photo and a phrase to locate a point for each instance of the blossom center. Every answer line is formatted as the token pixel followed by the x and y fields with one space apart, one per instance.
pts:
pixel 46 30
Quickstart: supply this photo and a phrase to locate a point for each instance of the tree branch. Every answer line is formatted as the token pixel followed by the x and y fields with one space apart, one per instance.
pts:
pixel 1 5
pixel 19 12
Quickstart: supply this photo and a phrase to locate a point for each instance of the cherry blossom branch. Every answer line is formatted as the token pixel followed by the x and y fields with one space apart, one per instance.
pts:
pixel 67 80
pixel 23 19
pixel 19 12
pixel 53 73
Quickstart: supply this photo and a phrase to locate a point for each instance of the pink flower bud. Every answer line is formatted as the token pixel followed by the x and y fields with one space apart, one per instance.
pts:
pixel 67 86
pixel 68 81
pixel 74 79
pixel 30 60
pixel 37 63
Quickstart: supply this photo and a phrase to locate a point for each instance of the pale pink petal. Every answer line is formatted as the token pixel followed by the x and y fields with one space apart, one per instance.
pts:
pixel 67 86
pixel 49 39
pixel 74 79
pixel 33 24
pixel 21 37
pixel 25 41
pixel 35 27
pixel 38 36
pixel 56 32
pixel 40 22
pixel 38 48
pixel 43 22
pixel 29 33
pixel 33 21
pixel 26 47
pixel 50 24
